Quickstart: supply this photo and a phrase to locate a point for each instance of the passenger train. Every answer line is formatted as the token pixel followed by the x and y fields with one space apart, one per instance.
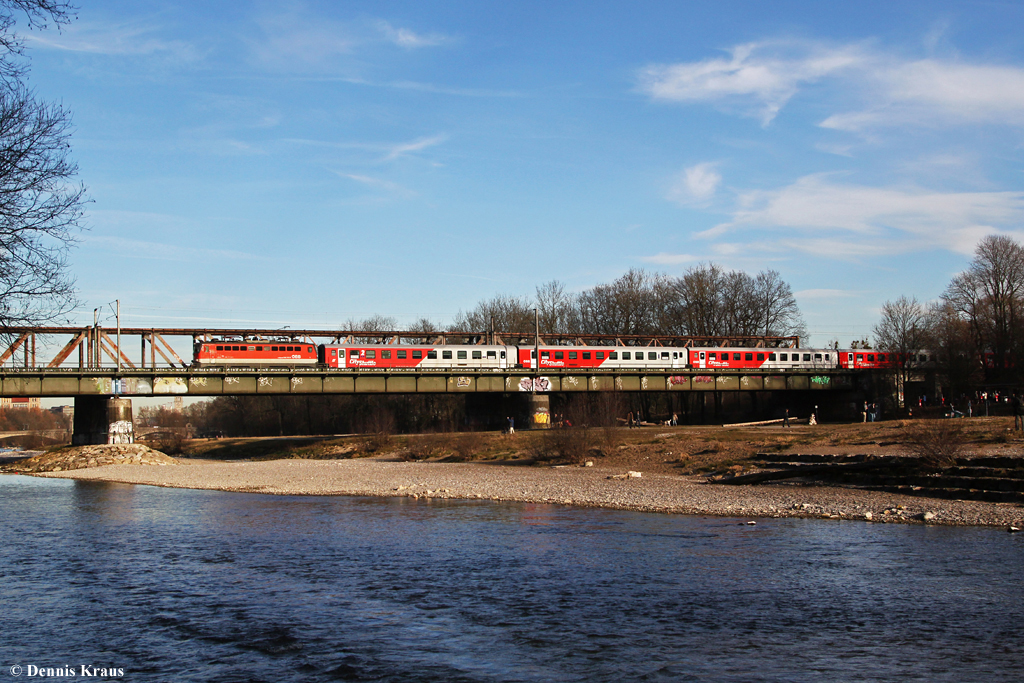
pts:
pixel 293 354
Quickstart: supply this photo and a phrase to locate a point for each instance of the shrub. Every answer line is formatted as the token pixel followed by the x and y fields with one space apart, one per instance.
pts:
pixel 936 442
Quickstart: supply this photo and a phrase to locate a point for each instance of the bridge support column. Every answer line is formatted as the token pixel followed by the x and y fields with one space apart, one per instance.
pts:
pixel 99 419
pixel 538 407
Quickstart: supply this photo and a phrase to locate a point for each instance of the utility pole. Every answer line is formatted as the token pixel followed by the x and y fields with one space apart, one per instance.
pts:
pixel 94 357
pixel 536 344
pixel 118 302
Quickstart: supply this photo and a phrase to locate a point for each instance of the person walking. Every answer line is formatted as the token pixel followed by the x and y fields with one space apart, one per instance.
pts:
pixel 511 425
pixel 785 418
pixel 1018 412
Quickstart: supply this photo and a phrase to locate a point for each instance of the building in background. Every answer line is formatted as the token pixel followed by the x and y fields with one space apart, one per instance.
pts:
pixel 19 402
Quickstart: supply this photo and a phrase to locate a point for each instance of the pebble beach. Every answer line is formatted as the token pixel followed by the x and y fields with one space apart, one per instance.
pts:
pixel 568 485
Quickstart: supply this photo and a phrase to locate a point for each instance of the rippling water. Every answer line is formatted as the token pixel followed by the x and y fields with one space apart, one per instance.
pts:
pixel 173 584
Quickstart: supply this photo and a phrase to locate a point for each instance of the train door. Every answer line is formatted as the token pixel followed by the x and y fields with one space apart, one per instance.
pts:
pixel 700 358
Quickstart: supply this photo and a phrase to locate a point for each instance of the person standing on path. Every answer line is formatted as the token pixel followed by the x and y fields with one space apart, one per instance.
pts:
pixel 1018 413
pixel 511 425
pixel 785 418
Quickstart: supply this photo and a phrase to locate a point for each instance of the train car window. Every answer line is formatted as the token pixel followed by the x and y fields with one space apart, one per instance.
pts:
pixel 664 355
pixel 807 356
pixel 371 353
pixel 502 354
pixel 586 355
pixel 385 354
pixel 599 355
pixel 748 356
pixel 309 349
pixel 881 357
pixel 446 355
pixel 572 355
pixel 760 356
pixel 492 354
pixel 417 354
pixel 251 348
pixel 712 356
pixel 871 357
pixel 259 348
pixel 401 354
pixel 860 356
pixel 460 355
pixel 625 355
pixel 817 356
pixel 432 355
pixel 771 356
pixel 220 348
pixel 234 348
pixel 735 356
pixel 545 354
pixel 652 355
pixel 559 355
pixel 334 353
pixel 613 355
pixel 477 355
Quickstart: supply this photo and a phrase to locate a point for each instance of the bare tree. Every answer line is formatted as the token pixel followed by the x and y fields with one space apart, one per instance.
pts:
pixel 989 296
pixel 778 312
pixel 40 209
pixel 554 307
pixel 510 314
pixel 903 330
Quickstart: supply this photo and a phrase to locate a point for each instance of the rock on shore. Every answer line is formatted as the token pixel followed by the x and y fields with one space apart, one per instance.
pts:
pixel 80 457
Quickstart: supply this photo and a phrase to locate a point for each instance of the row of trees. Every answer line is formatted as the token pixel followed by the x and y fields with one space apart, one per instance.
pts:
pixel 976 328
pixel 706 300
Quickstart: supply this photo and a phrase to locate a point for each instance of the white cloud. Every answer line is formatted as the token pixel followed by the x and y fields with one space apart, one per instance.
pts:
pixel 854 220
pixel 761 74
pixel 403 37
pixel 760 78
pixel 695 184
pixel 935 92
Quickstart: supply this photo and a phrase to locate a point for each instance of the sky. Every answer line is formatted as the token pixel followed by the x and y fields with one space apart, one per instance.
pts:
pixel 304 163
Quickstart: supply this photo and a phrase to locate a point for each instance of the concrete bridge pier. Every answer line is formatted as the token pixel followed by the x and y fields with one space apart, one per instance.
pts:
pixel 538 408
pixel 100 419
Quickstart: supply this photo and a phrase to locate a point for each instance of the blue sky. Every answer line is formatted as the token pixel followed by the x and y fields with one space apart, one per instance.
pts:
pixel 303 163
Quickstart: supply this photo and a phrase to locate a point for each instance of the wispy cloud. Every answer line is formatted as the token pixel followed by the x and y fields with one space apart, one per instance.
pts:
pixel 164 252
pixel 695 184
pixel 417 145
pixel 116 39
pixel 760 78
pixel 666 259
pixel 377 182
pixel 406 38
pixel 855 220
pixel 289 39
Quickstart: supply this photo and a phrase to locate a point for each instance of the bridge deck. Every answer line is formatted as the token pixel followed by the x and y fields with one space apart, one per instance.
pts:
pixel 166 381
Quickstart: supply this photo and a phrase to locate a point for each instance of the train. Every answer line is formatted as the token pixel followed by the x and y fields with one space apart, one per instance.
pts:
pixel 287 354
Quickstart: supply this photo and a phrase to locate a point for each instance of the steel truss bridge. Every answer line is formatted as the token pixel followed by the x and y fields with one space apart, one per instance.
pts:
pixel 96 361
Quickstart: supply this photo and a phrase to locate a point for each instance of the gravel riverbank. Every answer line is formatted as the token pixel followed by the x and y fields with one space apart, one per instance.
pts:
pixel 581 486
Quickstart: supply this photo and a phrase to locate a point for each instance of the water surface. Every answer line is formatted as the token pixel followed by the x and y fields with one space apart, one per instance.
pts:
pixel 174 584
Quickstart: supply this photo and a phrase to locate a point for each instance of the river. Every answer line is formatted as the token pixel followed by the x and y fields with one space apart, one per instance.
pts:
pixel 183 585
